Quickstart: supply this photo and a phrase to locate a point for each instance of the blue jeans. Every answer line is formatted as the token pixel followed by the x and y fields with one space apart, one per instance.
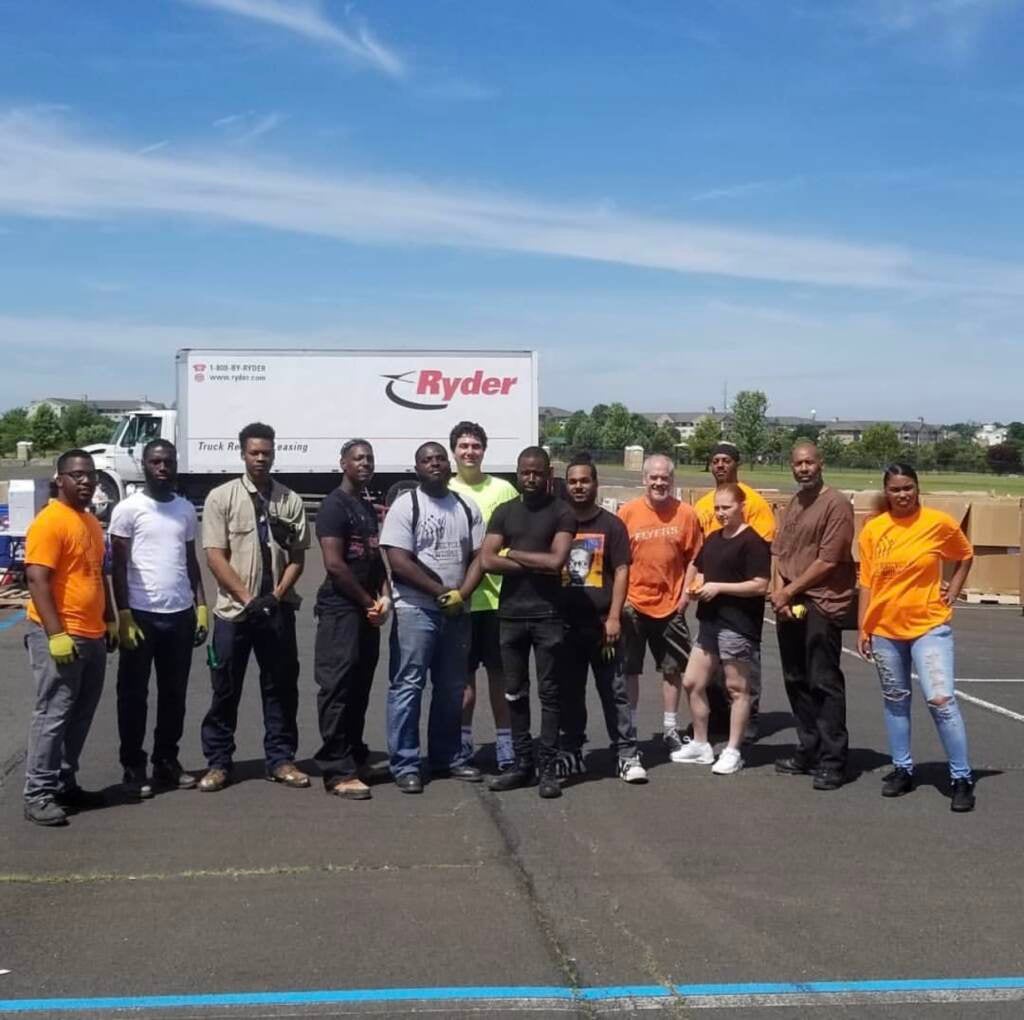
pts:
pixel 931 657
pixel 423 641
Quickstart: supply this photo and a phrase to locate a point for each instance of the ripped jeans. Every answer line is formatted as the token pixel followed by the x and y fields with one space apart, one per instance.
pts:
pixel 930 656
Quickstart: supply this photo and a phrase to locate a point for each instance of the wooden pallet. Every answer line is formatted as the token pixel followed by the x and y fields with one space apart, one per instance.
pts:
pixel 13 596
pixel 980 598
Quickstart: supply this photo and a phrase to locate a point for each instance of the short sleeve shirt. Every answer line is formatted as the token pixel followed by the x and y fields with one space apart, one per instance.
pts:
pixel 756 512
pixel 598 549
pixel 354 521
pixel 444 540
pixel 820 527
pixel 531 528
pixel 230 523
pixel 70 543
pixel 734 560
pixel 488 496
pixel 159 531
pixel 901 566
pixel 662 542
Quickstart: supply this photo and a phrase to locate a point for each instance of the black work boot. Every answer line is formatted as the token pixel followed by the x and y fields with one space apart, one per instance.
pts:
pixel 550 787
pixel 521 774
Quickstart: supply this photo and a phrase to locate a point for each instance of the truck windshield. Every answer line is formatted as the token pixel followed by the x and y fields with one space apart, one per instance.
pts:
pixel 119 427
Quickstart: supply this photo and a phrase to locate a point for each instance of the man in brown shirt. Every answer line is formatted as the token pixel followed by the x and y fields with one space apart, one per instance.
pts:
pixel 813 591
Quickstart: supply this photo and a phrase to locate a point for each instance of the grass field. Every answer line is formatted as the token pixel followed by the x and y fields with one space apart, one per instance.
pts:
pixel 841 478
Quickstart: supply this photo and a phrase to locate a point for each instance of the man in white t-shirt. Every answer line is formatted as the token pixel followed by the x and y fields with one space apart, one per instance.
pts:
pixel 431 536
pixel 162 616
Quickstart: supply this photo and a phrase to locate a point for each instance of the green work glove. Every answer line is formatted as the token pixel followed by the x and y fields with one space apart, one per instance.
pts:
pixel 451 602
pixel 113 638
pixel 202 626
pixel 62 648
pixel 129 633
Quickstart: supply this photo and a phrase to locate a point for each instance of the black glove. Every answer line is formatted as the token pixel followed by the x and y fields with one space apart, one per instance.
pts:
pixel 262 610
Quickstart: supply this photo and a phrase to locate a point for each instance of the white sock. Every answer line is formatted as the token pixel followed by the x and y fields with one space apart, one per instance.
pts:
pixel 503 747
pixel 669 721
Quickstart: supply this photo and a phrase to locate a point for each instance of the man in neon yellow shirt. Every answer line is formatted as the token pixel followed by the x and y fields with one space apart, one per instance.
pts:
pixel 725 462
pixel 468 443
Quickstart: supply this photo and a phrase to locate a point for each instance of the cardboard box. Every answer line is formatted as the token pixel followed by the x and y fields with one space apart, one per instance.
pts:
pixel 26 497
pixel 958 507
pixel 996 571
pixel 994 522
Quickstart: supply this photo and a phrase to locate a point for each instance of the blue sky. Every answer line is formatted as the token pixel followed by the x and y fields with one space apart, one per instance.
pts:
pixel 822 200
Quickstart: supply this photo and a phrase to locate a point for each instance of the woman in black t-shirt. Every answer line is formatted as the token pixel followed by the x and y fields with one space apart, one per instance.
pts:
pixel 734 566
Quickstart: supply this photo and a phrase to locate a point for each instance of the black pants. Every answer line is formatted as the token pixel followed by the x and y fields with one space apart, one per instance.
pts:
pixel 810 649
pixel 345 657
pixel 167 650
pixel 583 651
pixel 277 656
pixel 545 637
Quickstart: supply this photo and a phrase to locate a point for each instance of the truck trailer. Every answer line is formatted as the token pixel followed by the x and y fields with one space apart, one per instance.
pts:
pixel 316 400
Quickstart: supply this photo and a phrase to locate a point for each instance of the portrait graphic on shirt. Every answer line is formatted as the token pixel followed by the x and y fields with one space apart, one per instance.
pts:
pixel 585 566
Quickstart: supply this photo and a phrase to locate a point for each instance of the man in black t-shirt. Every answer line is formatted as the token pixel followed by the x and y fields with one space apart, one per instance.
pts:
pixel 351 606
pixel 528 542
pixel 596 578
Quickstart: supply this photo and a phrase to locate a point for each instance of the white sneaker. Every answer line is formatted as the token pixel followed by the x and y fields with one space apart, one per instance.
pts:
pixel 631 771
pixel 693 753
pixel 729 762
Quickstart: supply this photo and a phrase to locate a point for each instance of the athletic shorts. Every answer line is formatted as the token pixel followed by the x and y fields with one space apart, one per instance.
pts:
pixel 484 642
pixel 728 645
pixel 668 639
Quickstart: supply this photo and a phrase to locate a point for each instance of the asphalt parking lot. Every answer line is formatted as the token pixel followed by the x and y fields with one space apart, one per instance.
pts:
pixel 752 895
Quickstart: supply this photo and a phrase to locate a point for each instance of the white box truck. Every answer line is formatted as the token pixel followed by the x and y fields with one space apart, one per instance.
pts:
pixel 316 400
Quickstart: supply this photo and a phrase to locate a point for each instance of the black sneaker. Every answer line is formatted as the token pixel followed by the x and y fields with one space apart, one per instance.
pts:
pixel 962 796
pixel 136 783
pixel 515 778
pixel 794 766
pixel 549 787
pixel 45 812
pixel 77 799
pixel 897 783
pixel 828 779
pixel 170 775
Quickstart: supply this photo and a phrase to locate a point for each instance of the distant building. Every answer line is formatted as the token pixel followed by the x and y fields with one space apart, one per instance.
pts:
pixel 911 433
pixel 991 435
pixel 558 415
pixel 111 408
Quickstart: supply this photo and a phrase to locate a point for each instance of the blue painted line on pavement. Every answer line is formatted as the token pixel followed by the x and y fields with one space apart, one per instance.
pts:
pixel 12 620
pixel 523 993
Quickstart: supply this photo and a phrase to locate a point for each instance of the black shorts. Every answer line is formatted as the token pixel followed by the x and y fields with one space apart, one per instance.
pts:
pixel 667 637
pixel 485 641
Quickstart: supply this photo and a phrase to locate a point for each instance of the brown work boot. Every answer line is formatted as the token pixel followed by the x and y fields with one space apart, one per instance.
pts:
pixel 350 789
pixel 214 780
pixel 288 774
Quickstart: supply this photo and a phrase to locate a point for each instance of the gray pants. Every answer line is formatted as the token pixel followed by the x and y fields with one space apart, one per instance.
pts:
pixel 66 700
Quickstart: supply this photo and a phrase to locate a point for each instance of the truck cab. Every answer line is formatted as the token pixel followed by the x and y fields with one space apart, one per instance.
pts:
pixel 119 462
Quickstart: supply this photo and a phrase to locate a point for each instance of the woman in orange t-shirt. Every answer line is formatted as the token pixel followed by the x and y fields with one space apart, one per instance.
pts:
pixel 904 624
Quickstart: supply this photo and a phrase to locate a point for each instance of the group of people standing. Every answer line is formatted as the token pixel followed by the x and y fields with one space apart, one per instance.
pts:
pixel 472 571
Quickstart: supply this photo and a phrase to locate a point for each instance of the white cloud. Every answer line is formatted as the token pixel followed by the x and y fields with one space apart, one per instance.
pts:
pixel 305 18
pixel 955 27
pixel 47 172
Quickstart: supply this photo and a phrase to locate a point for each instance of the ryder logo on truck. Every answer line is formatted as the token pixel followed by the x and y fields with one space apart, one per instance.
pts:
pixel 434 390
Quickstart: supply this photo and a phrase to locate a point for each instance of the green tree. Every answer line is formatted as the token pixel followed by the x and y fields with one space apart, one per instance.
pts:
pixel 749 425
pixel 808 430
pixel 832 449
pixel 777 446
pixel 14 427
pixel 880 444
pixel 1004 458
pixel 926 460
pixel 45 426
pixel 587 435
pixel 706 433
pixel 599 412
pixel 1015 431
pixel 569 428
pixel 99 432
pixel 616 428
pixel 80 416
pixel 964 429
pixel 664 440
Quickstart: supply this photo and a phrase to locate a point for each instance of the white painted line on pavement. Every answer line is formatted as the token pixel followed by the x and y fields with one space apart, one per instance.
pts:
pixel 985 680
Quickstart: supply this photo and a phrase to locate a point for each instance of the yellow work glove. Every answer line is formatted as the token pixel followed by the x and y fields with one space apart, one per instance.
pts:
pixel 504 552
pixel 202 626
pixel 129 633
pixel 62 648
pixel 451 602
pixel 112 636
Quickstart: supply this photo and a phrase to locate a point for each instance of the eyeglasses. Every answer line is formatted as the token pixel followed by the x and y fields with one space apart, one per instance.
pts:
pixel 81 476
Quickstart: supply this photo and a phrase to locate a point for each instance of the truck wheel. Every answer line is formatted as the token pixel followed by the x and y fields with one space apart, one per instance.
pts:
pixel 104 499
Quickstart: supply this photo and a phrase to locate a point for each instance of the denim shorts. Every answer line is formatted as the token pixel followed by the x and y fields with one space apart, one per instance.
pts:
pixel 728 645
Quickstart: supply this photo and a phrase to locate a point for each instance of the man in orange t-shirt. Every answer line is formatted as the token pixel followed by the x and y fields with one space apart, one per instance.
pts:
pixel 71 629
pixel 664 537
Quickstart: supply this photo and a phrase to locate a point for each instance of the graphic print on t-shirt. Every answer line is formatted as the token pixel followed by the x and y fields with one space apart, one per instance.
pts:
pixel 585 566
